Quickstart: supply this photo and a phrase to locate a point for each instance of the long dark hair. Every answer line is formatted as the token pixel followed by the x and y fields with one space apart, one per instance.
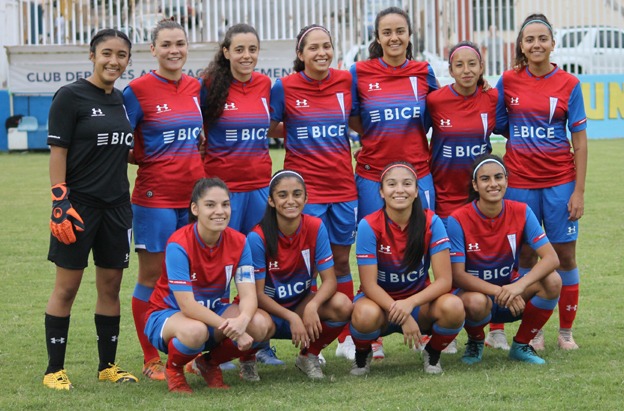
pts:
pixel 218 76
pixel 199 189
pixel 521 60
pixel 104 35
pixel 298 64
pixel 472 193
pixel 374 49
pixel 269 220
pixel 415 247
pixel 473 46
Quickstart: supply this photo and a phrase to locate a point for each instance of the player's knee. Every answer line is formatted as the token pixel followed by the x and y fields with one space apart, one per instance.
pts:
pixel 451 309
pixel 365 317
pixel 259 326
pixel 552 285
pixel 475 305
pixel 341 306
pixel 193 335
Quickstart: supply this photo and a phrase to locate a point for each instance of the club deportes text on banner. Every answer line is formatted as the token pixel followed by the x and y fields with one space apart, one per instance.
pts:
pixel 39 70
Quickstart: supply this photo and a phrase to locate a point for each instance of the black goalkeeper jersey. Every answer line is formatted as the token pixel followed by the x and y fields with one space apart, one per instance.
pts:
pixel 94 127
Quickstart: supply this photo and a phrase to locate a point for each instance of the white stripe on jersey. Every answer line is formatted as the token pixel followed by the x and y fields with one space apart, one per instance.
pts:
pixel 553 106
pixel 306 258
pixel 414 82
pixel 340 97
pixel 484 121
pixel 512 243
pixel 266 108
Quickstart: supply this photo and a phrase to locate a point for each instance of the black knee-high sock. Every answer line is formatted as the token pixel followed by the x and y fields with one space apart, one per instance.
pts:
pixel 56 330
pixel 107 329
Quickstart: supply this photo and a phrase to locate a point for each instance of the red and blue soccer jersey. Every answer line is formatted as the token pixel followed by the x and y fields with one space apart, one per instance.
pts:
pixel 382 242
pixel 537 108
pixel 237 149
pixel 289 277
pixel 167 121
pixel 190 265
pixel 461 132
pixel 316 122
pixel 490 247
pixel 391 103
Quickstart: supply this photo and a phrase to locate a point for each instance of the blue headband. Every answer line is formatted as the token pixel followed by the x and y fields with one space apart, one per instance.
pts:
pixel 537 21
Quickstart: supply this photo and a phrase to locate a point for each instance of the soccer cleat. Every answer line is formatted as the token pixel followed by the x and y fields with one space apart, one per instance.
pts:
pixel 451 348
pixel 566 341
pixel 346 349
pixel 361 363
pixel 210 373
pixel 538 342
pixel 176 381
pixel 154 369
pixel 524 353
pixel 191 368
pixel 268 356
pixel 115 374
pixel 497 339
pixel 431 360
pixel 473 352
pixel 310 365
pixel 57 381
pixel 378 351
pixel 322 360
pixel 248 371
pixel 418 347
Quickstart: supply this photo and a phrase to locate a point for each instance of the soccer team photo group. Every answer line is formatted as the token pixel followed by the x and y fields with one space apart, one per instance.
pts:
pixel 390 224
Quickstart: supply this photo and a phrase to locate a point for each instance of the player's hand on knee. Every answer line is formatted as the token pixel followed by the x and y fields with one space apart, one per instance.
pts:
pixel 65 219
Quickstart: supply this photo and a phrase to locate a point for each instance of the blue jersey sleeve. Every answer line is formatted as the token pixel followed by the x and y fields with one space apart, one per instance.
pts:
pixel 277 101
pixel 133 108
pixel 177 263
pixel 456 236
pixel 577 120
pixel 366 244
pixel 533 232
pixel 245 270
pixel 431 79
pixel 502 121
pixel 355 99
pixel 258 255
pixel 439 237
pixel 323 252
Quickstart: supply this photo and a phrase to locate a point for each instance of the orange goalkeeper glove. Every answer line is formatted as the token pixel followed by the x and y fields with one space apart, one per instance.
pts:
pixel 65 218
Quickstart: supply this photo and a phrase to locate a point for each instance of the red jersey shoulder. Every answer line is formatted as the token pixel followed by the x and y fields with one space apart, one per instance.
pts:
pixel 310 221
pixel 514 207
pixel 439 95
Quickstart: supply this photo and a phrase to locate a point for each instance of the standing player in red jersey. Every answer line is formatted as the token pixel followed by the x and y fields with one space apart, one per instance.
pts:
pixel 486 236
pixel 89 138
pixel 186 313
pixel 462 116
pixel 395 246
pixel 235 107
pixel 314 104
pixel 538 100
pixel 288 249
pixel 163 107
pixel 389 112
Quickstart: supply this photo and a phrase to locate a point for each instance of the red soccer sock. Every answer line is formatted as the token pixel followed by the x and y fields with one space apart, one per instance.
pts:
pixel 568 303
pixel 475 332
pixel 497 326
pixel 328 334
pixel 226 351
pixel 139 310
pixel 347 289
pixel 441 337
pixel 533 319
pixel 177 359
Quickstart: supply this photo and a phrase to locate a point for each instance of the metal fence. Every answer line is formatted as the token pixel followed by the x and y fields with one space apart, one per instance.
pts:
pixel 595 46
